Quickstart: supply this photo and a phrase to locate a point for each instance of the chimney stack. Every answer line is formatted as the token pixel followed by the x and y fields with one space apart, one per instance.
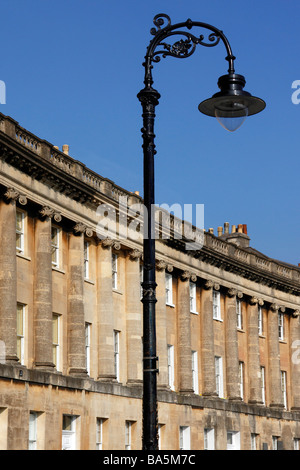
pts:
pixel 238 234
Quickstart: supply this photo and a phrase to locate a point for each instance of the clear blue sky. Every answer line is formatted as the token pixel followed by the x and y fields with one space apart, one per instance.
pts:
pixel 73 68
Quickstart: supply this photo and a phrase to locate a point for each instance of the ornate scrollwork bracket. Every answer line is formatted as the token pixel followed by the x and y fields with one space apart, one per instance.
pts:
pixel 185 42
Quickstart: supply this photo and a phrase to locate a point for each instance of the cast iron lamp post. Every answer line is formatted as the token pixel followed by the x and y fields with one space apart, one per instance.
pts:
pixel 230 106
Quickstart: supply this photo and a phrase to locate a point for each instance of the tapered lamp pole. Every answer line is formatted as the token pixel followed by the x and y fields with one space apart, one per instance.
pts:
pixel 230 105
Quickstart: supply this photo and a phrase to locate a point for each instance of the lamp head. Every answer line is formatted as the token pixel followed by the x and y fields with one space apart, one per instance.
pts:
pixel 232 104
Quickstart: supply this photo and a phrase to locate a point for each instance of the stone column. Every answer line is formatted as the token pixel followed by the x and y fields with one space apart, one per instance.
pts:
pixel 295 362
pixel 231 338
pixel 76 320
pixel 207 341
pixel 255 395
pixel 274 382
pixel 161 324
pixel 134 324
pixel 106 368
pixel 42 292
pixel 8 277
pixel 184 334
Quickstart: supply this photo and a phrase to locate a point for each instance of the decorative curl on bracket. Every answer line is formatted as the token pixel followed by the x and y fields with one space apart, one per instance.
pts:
pixel 159 20
pixel 184 47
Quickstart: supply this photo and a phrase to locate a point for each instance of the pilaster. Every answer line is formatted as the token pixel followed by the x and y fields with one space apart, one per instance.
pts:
pixel 207 341
pixel 8 278
pixel 276 399
pixel 76 320
pixel 255 394
pixel 106 368
pixel 232 359
pixel 134 324
pixel 295 359
pixel 42 293
pixel 184 334
pixel 161 324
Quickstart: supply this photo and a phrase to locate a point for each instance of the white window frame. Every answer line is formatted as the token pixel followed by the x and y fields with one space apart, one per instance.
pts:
pixel 274 442
pixel 193 297
pixel 281 326
pixel 128 437
pixel 209 439
pixel 55 246
pixel 260 320
pixel 219 376
pixel 239 318
pixel 99 433
pixel 117 354
pixel 88 347
pixel 86 259
pixel 56 345
pixel 284 388
pixel 20 232
pixel 114 267
pixel 234 437
pixel 171 366
pixel 32 436
pixel 253 438
pixel 184 438
pixel 21 332
pixel 169 289
pixel 159 428
pixel 216 300
pixel 241 373
pixel 263 384
pixel 195 371
pixel 69 436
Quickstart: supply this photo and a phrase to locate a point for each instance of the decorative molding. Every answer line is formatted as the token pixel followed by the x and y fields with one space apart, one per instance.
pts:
pixel 110 243
pixel 231 292
pixel 160 264
pixel 208 285
pixel 296 313
pixel 81 228
pixel 11 194
pixel 46 211
pixel 135 254
pixel 274 307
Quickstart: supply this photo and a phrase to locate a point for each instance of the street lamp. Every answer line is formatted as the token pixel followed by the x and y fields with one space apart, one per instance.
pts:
pixel 231 105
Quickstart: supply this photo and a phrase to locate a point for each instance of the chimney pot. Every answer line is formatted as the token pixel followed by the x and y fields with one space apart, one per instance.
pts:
pixel 220 231
pixel 226 227
pixel 211 230
pixel 240 228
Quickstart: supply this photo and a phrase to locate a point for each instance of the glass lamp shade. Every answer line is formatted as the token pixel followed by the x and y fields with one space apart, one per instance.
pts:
pixel 232 104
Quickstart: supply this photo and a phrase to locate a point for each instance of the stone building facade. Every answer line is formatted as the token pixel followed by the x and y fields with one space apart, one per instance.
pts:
pixel 228 331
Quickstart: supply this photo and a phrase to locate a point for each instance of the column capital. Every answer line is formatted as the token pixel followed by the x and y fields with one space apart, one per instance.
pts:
pixel 163 265
pixel 296 313
pixel 276 308
pixel 110 243
pixel 135 254
pixel 231 292
pixel 188 276
pixel 11 194
pixel 211 285
pixel 80 228
pixel 48 212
